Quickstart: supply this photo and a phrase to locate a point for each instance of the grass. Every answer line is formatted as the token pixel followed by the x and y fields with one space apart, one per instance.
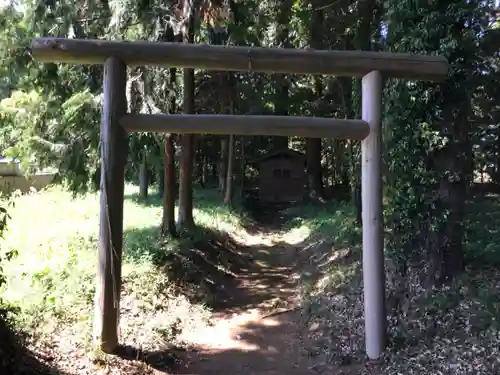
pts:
pixel 52 280
pixel 333 220
pixel 453 329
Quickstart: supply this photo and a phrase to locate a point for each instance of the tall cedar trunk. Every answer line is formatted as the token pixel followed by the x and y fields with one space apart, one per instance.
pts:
pixel 338 160
pixel 168 222
pixel 313 145
pixel 169 182
pixel 199 158
pixel 230 93
pixel 144 179
pixel 185 219
pixel 222 167
pixel 214 169
pixel 161 179
pixel 281 98
pixel 169 174
pixel 331 171
pixel 447 252
pixel 204 171
pixel 496 174
pixel 363 42
pixel 314 179
pixel 242 167
pixel 230 164
pixel 218 36
pixel 346 87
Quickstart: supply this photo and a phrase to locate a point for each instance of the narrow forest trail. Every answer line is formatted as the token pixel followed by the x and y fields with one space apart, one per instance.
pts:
pixel 252 334
pixel 259 330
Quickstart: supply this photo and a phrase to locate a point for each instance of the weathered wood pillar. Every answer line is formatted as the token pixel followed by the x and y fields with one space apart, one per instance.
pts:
pixel 113 157
pixel 371 190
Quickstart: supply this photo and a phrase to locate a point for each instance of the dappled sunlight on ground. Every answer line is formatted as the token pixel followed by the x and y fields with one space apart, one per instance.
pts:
pixel 236 297
pixel 226 333
pixel 250 345
pixel 296 236
pixel 256 239
pixel 260 329
pixel 227 293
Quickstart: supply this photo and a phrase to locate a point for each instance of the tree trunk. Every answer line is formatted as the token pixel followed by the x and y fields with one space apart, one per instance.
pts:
pixel 314 179
pixel 168 182
pixel 346 87
pixel 496 174
pixel 161 180
pixel 281 95
pixel 313 145
pixel 185 219
pixel 242 167
pixel 338 160
pixel 223 163
pixel 214 169
pixel 219 36
pixel 447 252
pixel 450 261
pixel 363 42
pixel 144 179
pixel 170 191
pixel 230 163
pixel 204 171
pixel 453 167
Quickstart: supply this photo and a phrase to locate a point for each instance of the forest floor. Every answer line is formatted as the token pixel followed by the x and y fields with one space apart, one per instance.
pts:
pixel 281 297
pixel 260 328
pixel 227 299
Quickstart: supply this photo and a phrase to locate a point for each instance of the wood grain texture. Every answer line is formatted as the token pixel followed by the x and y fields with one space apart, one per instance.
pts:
pixel 233 58
pixel 316 127
pixel 373 220
pixel 113 158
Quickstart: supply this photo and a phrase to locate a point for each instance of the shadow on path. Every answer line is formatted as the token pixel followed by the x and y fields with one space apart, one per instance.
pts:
pixel 271 336
pixel 258 331
pixel 256 326
pixel 17 359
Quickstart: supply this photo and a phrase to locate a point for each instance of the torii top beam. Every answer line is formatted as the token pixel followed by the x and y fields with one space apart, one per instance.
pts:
pixel 247 59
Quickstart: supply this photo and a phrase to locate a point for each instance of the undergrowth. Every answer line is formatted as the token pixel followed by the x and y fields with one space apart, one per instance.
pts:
pixel 453 329
pixel 51 282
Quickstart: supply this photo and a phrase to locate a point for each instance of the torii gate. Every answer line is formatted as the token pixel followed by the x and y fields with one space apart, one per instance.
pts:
pixel 116 55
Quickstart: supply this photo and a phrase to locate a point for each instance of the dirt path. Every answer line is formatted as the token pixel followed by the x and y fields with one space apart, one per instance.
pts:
pixel 259 330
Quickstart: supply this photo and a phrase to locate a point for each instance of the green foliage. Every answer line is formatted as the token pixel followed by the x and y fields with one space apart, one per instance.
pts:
pixel 428 126
pixel 49 113
pixel 411 211
pixel 45 132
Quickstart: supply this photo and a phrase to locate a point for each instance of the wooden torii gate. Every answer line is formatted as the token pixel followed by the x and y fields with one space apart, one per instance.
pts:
pixel 116 55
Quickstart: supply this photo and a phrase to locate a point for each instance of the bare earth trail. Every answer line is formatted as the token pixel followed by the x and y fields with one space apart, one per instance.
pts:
pixel 259 330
